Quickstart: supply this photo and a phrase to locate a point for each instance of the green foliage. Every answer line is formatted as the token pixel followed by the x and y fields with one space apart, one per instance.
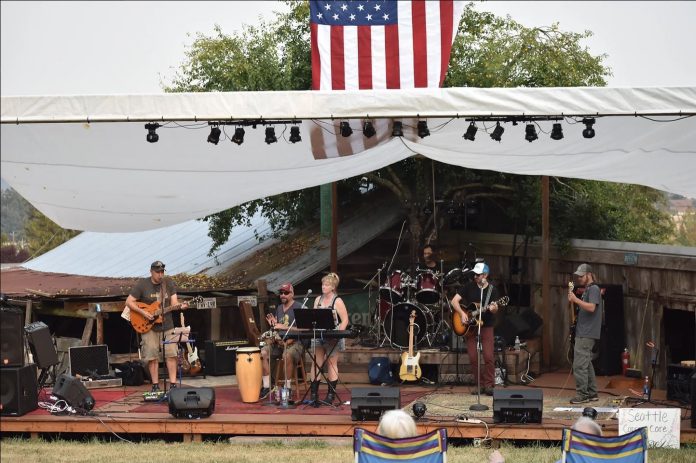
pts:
pixel 686 229
pixel 14 213
pixel 489 51
pixel 43 234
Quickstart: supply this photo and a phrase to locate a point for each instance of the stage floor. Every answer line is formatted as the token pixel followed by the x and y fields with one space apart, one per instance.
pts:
pixel 122 411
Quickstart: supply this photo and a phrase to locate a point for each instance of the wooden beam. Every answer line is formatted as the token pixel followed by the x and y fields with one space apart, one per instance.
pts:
pixel 100 328
pixel 61 312
pixel 27 313
pixel 87 332
pixel 545 270
pixel 262 300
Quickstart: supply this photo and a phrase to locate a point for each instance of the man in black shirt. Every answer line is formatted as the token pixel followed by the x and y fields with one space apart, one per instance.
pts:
pixel 480 293
pixel 149 290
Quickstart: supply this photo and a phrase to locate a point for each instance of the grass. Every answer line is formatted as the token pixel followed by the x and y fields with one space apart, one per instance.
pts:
pixel 264 451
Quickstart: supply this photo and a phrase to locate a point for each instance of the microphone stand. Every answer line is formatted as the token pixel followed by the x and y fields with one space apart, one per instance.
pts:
pixel 478 406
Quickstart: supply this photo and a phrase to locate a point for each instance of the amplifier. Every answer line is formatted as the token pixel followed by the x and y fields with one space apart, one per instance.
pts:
pixel 90 361
pixel 192 402
pixel 517 406
pixel 679 383
pixel 368 403
pixel 221 356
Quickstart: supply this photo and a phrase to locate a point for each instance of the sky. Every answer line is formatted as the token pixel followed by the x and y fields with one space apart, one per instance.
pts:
pixel 62 48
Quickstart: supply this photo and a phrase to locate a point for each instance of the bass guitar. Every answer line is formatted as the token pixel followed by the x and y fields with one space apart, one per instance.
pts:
pixel 194 363
pixel 466 329
pixel 143 325
pixel 410 370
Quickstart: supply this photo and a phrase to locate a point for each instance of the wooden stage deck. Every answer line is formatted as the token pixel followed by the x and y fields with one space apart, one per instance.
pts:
pixel 120 417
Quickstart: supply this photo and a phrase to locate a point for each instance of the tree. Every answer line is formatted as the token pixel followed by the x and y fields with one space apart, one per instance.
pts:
pixel 43 234
pixel 15 212
pixel 489 51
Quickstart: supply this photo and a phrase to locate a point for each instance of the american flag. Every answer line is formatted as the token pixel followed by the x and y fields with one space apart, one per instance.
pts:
pixel 377 44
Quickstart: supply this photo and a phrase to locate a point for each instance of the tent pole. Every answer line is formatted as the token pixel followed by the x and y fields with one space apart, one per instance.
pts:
pixel 545 278
pixel 334 227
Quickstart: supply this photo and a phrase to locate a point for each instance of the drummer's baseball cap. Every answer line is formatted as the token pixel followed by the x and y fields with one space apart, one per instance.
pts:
pixel 481 268
pixel 287 287
pixel 157 265
pixel 583 269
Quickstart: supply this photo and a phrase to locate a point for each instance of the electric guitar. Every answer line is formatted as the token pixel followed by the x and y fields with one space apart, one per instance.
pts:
pixel 410 370
pixel 573 325
pixel 191 359
pixel 143 325
pixel 183 361
pixel 465 329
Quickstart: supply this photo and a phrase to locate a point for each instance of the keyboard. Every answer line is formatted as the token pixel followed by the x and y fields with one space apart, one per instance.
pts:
pixel 321 334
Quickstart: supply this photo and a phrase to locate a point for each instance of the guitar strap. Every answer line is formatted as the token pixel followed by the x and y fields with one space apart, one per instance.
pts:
pixel 488 295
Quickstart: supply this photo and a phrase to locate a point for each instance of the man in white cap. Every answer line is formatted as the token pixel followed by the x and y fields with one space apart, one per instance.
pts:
pixel 587 332
pixel 479 293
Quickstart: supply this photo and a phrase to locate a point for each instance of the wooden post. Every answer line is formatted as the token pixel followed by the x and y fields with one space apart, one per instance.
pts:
pixel 100 328
pixel 262 290
pixel 27 313
pixel 545 270
pixel 334 228
pixel 87 332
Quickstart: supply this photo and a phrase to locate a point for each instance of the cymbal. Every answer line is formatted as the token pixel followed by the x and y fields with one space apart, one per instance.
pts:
pixel 372 282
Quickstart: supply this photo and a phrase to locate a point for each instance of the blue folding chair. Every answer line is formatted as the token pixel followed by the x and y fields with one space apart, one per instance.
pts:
pixel 373 448
pixel 579 447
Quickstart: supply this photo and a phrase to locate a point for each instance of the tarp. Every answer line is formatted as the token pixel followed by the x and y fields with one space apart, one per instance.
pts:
pixel 105 177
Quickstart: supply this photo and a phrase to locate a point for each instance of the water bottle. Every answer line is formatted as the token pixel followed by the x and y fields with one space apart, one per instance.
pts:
pixel 646 389
pixel 284 396
pixel 517 343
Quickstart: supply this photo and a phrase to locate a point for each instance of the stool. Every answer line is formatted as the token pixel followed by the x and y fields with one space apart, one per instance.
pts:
pixel 294 378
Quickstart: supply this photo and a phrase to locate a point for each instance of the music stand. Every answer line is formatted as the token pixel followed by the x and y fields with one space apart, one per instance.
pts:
pixel 317 321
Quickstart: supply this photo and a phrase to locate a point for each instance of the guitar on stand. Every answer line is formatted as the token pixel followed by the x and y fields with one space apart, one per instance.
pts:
pixel 468 329
pixel 410 370
pixel 191 357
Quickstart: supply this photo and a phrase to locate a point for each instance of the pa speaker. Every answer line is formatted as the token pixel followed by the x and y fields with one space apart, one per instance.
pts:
pixel 693 401
pixel 368 403
pixel 517 405
pixel 512 325
pixel 192 402
pixel 19 390
pixel 221 356
pixel 533 320
pixel 73 392
pixel 89 360
pixel 41 344
pixel 11 341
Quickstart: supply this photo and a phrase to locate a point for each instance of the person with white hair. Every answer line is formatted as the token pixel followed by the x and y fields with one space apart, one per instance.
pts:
pixel 396 424
pixel 587 425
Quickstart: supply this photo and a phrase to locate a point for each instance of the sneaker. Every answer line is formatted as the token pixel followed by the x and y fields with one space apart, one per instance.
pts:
pixel 172 386
pixel 155 388
pixel 579 400
pixel 264 393
pixel 593 398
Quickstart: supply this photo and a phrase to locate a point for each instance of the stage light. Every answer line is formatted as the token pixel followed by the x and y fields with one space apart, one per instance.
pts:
pixel 398 129
pixel 557 132
pixel 530 133
pixel 270 135
pixel 589 131
pixel 368 129
pixel 471 132
pixel 152 136
pixel 346 131
pixel 497 132
pixel 238 136
pixel 295 134
pixel 423 130
pixel 214 136
pixel 419 409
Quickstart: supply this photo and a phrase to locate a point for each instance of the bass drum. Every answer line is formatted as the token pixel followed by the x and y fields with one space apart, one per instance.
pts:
pixel 396 323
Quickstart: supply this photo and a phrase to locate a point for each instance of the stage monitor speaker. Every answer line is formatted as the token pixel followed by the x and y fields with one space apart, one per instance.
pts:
pixel 533 320
pixel 19 390
pixel 11 340
pixel 679 382
pixel 192 402
pixel 368 403
pixel 510 326
pixel 92 361
pixel 517 405
pixel 73 392
pixel 41 344
pixel 221 356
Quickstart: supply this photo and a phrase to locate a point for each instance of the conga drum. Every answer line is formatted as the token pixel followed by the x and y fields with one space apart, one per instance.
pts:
pixel 249 373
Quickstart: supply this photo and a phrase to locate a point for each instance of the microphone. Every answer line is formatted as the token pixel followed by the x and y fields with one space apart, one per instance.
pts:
pixel 309 291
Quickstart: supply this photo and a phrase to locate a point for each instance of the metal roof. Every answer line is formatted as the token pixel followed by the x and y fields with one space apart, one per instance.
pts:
pixel 183 248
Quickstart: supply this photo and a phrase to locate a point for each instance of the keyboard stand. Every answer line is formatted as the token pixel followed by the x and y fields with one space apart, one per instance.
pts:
pixel 319 368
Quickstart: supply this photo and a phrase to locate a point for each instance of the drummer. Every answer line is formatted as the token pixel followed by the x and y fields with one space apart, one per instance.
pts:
pixel 429 259
pixel 282 320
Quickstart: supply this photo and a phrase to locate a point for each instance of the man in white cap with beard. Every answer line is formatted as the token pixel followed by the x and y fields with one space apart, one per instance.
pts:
pixel 587 332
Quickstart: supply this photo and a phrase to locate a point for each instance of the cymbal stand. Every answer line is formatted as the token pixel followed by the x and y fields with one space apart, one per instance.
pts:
pixel 373 312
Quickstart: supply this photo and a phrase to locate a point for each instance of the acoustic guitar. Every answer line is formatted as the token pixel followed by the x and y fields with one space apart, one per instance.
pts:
pixel 467 329
pixel 410 370
pixel 143 325
pixel 191 359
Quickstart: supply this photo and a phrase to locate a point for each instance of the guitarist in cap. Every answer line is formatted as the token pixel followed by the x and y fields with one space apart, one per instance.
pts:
pixel 147 291
pixel 480 291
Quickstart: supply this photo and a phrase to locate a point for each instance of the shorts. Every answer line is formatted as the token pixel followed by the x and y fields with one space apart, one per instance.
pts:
pixel 328 345
pixel 151 341
pixel 294 350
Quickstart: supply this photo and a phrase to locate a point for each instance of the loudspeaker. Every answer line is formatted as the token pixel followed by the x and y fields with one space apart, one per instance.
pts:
pixel 73 392
pixel 693 401
pixel 19 390
pixel 512 325
pixel 221 356
pixel 89 360
pixel 679 383
pixel 533 320
pixel 191 402
pixel 11 341
pixel 41 344
pixel 613 337
pixel 517 405
pixel 368 403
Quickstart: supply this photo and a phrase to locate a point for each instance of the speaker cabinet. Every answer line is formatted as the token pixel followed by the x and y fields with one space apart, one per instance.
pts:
pixel 517 405
pixel 73 392
pixel 693 401
pixel 41 344
pixel 613 338
pixel 19 390
pixel 11 341
pixel 221 356
pixel 191 402
pixel 510 326
pixel 368 403
pixel 89 360
pixel 679 383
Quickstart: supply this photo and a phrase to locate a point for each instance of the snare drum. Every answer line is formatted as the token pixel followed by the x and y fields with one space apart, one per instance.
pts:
pixel 428 288
pixel 249 373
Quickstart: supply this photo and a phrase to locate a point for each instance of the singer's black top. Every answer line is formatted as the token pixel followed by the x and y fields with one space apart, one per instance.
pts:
pixel 287 318
pixel 471 293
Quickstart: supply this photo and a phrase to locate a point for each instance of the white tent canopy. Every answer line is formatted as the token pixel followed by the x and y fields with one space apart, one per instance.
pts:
pixel 105 177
